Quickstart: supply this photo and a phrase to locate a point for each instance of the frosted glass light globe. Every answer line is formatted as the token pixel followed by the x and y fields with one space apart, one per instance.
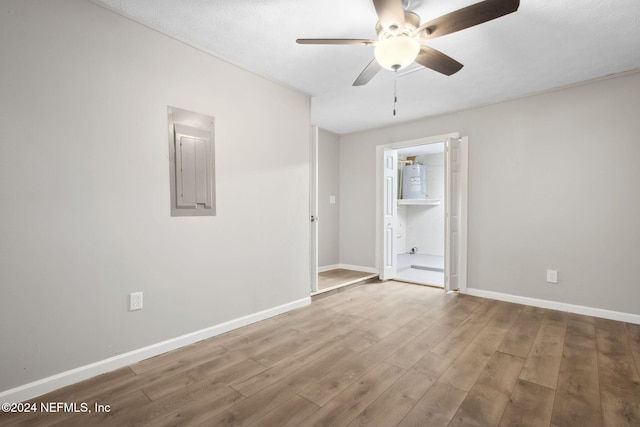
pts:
pixel 396 52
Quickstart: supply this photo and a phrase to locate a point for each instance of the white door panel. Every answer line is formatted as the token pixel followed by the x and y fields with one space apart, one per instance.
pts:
pixel 452 213
pixel 455 214
pixel 390 219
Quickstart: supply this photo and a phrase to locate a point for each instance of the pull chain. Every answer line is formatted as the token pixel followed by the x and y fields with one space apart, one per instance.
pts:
pixel 395 91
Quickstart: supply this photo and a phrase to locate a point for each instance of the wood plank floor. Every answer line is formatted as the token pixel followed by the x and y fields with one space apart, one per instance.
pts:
pixel 381 354
pixel 340 276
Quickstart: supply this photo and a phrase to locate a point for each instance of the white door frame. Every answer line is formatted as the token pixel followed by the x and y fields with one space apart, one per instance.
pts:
pixel 313 208
pixel 463 195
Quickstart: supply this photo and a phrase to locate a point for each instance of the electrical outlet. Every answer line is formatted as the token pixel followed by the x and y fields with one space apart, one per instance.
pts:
pixel 552 276
pixel 135 301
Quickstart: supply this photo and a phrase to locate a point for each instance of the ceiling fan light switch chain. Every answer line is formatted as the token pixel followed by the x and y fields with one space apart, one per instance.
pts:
pixel 395 92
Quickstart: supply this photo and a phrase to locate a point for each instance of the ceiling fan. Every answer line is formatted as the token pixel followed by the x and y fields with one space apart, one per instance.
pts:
pixel 402 39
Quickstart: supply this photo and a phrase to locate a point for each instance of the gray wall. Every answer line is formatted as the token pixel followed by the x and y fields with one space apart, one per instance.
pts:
pixel 552 184
pixel 84 190
pixel 328 184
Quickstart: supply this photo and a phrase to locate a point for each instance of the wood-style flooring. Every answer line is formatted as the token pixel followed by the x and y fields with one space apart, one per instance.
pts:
pixel 381 354
pixel 340 277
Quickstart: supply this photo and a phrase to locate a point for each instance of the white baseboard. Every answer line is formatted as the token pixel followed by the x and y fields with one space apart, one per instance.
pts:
pixel 554 305
pixel 326 268
pixel 46 385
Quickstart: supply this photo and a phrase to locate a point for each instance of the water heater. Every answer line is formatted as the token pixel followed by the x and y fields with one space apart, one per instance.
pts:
pixel 414 182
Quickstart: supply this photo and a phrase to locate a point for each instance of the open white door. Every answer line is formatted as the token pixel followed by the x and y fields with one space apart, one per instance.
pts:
pixel 313 207
pixel 455 214
pixel 390 220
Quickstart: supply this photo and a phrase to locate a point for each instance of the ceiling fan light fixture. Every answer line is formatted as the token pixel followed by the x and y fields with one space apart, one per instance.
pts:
pixel 396 52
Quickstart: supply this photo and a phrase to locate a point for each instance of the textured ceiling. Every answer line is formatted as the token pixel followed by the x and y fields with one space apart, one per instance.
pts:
pixel 544 45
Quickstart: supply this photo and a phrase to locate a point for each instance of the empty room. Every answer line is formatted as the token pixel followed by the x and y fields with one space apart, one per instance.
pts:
pixel 339 213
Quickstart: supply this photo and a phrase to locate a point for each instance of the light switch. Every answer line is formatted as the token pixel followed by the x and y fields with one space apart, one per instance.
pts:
pixel 332 200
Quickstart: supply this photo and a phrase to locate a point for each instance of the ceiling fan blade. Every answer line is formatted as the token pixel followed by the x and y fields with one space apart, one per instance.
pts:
pixel 336 41
pixel 368 73
pixel 468 17
pixel 390 13
pixel 437 61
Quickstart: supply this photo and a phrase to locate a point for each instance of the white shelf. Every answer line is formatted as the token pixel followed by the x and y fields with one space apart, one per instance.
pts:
pixel 422 202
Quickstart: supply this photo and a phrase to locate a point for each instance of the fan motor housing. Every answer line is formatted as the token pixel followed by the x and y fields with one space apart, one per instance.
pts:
pixel 411 22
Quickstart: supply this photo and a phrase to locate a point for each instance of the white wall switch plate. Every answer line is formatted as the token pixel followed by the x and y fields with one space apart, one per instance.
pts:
pixel 135 301
pixel 332 200
pixel 552 276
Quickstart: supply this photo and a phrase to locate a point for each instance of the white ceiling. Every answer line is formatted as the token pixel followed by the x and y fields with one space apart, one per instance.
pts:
pixel 545 44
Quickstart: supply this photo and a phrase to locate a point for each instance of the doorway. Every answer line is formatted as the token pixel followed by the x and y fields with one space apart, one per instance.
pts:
pixel 421 221
pixel 328 273
pixel 421 232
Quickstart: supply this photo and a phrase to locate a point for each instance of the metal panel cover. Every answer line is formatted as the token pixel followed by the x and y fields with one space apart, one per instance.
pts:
pixel 191 163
